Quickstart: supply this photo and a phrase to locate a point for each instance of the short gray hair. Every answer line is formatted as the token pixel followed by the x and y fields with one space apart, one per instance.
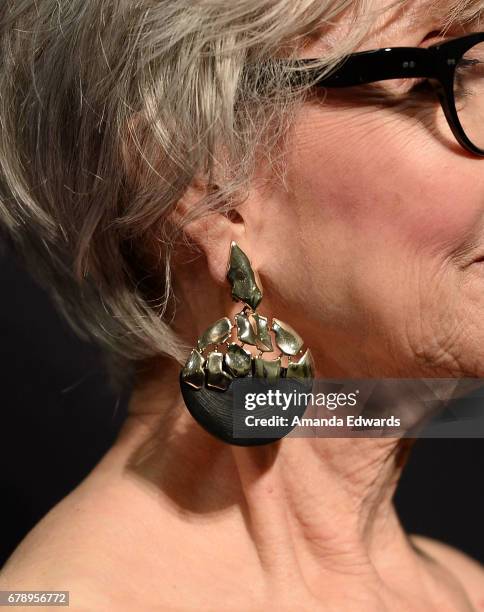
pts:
pixel 108 110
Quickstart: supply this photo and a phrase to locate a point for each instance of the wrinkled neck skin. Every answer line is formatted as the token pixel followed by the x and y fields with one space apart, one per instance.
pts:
pixel 299 522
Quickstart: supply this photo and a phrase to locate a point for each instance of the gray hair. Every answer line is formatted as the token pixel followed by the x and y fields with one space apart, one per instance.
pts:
pixel 108 111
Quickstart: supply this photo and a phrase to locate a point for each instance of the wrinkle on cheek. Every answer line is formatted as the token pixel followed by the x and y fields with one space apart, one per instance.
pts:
pixel 434 331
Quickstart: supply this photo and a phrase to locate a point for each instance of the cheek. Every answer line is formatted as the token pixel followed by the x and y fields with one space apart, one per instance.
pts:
pixel 385 210
pixel 375 177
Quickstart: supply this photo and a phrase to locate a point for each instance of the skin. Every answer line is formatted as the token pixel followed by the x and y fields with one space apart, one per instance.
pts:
pixel 379 231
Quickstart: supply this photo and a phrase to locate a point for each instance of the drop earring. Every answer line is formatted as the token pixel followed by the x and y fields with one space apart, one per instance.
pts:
pixel 221 356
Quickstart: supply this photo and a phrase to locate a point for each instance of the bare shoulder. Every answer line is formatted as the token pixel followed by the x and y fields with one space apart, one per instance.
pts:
pixel 468 571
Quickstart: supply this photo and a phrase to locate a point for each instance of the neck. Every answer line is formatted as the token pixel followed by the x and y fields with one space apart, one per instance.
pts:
pixel 324 504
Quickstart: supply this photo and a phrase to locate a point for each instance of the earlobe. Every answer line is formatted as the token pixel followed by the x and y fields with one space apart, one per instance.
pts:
pixel 212 230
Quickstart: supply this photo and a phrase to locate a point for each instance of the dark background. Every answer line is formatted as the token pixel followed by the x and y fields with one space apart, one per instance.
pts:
pixel 58 417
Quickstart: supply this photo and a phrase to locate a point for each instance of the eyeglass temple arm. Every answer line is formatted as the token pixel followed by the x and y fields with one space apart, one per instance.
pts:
pixel 370 66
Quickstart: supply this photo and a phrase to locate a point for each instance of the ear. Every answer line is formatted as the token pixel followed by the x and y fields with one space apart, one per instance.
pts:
pixel 214 231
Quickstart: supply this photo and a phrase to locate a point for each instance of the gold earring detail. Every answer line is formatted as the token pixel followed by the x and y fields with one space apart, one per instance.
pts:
pixel 221 355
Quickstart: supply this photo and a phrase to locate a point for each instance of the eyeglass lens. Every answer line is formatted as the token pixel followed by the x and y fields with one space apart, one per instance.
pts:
pixel 469 94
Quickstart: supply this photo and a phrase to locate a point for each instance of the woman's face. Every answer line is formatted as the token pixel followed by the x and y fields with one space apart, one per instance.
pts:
pixel 380 231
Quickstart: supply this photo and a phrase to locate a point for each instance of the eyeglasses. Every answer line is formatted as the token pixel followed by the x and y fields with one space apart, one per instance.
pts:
pixel 454 68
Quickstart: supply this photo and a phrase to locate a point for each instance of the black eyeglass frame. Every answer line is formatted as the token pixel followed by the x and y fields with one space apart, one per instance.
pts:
pixel 437 62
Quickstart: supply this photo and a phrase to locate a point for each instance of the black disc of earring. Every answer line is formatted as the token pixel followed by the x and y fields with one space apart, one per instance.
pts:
pixel 216 411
